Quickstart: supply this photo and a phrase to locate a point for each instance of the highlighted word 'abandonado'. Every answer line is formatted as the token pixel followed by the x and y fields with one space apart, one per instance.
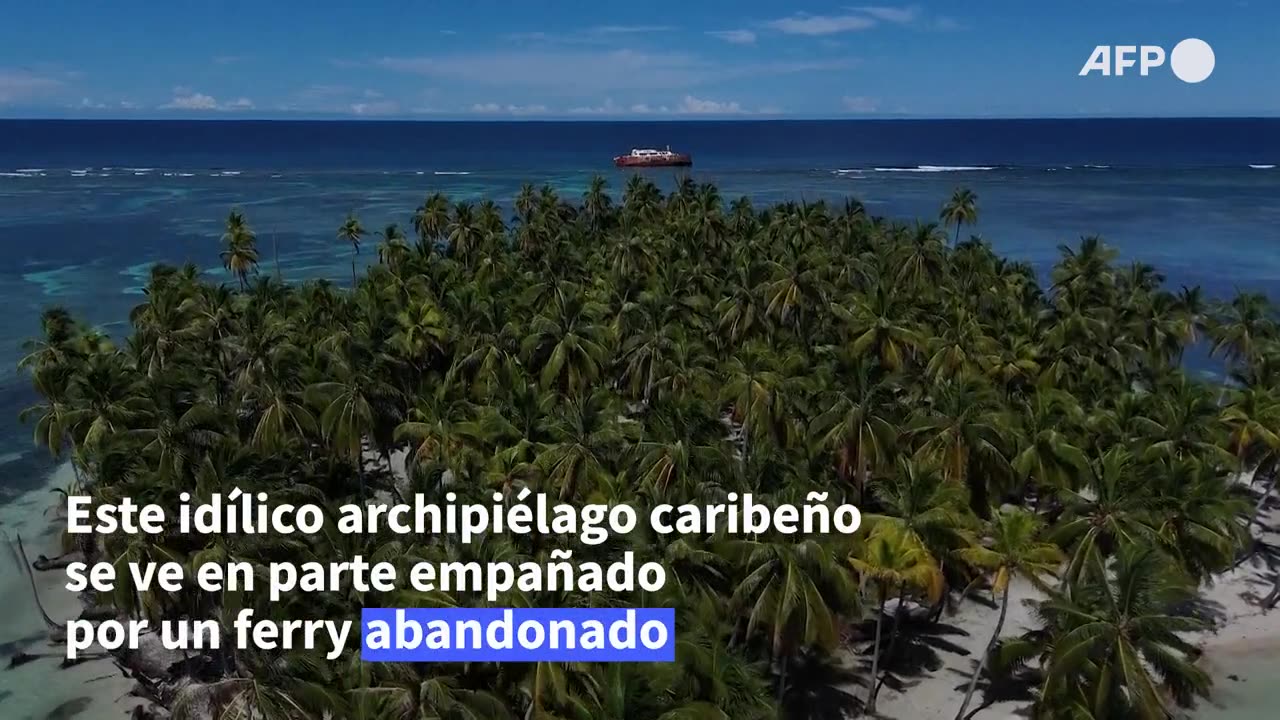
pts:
pixel 517 634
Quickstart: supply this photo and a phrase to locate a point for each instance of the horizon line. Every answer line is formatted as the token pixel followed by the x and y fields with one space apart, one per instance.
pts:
pixel 462 118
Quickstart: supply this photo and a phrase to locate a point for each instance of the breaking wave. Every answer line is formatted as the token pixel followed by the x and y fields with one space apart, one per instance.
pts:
pixel 937 168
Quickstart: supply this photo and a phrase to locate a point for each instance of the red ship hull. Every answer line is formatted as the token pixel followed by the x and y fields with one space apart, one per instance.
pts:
pixel 677 160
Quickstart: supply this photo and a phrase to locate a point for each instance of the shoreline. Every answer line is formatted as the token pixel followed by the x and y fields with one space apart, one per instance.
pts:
pixel 1242 635
pixel 92 690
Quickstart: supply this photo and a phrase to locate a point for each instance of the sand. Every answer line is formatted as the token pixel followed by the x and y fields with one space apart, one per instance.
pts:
pixel 1245 643
pixel 39 690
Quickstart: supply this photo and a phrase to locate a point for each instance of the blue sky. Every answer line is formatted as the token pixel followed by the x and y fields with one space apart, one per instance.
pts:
pixel 592 59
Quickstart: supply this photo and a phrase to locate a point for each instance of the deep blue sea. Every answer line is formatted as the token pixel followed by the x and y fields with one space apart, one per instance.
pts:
pixel 86 206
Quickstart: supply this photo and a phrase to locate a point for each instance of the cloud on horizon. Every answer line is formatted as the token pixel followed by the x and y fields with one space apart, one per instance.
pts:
pixel 576 73
pixel 860 104
pixel 187 99
pixel 22 84
pixel 686 105
pixel 737 37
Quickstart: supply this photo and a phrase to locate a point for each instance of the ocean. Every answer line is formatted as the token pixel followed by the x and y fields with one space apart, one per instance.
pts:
pixel 86 207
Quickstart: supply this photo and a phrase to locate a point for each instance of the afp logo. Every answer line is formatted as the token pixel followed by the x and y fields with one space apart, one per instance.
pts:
pixel 1191 60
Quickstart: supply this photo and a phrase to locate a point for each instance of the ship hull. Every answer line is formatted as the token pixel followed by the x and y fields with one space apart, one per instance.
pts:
pixel 627 161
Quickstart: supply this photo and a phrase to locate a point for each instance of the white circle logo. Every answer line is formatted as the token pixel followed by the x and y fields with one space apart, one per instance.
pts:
pixel 1192 60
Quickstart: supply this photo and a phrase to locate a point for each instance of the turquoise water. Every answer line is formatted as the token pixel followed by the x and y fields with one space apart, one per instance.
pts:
pixel 1255 695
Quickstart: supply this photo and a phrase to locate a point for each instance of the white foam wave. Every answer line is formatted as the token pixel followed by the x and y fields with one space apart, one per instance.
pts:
pixel 29 170
pixel 1099 167
pixel 450 172
pixel 937 168
pixel 1263 167
pixel 419 173
pixel 138 170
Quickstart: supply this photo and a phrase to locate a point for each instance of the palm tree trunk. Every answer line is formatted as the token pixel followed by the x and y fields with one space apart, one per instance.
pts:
pixel 360 474
pixel 893 639
pixel 863 472
pixel 1273 597
pixel 870 706
pixel 275 253
pixel 1262 502
pixel 50 623
pixel 982 662
pixel 353 272
pixel 957 240
pixel 782 679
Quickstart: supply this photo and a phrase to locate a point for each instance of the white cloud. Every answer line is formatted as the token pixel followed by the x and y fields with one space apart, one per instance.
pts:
pixel 628 29
pixel 20 84
pixel 698 106
pixel 901 16
pixel 737 37
pixel 688 105
pixel 187 99
pixel 947 24
pixel 576 73
pixel 821 24
pixel 492 108
pixel 606 108
pixel 192 101
pixel 860 103
pixel 375 107
pixel 857 18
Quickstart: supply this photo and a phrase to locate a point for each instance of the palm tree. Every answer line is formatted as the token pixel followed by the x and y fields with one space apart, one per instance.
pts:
pixel 965 431
pixel 349 407
pixel 394 249
pixel 960 209
pixel 351 231
pixel 1117 648
pixel 792 590
pixel 1014 551
pixel 896 564
pixel 856 424
pixel 240 256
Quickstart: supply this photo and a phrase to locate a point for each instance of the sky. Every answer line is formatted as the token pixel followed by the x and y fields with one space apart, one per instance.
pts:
pixel 593 59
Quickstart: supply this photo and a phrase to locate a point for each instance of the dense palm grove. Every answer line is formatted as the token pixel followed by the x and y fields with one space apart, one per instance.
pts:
pixel 670 347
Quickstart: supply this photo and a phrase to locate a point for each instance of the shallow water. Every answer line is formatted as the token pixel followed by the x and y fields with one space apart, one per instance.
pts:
pixel 1255 694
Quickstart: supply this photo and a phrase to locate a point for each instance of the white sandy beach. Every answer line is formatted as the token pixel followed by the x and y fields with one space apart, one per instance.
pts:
pixel 39 690
pixel 1246 644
